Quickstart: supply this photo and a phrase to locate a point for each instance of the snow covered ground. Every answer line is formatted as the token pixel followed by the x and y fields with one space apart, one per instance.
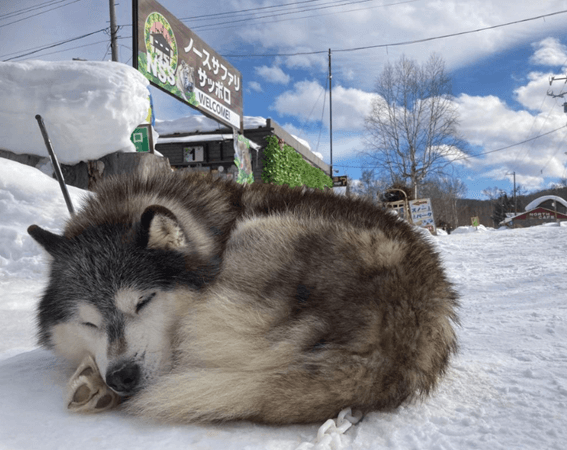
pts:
pixel 507 389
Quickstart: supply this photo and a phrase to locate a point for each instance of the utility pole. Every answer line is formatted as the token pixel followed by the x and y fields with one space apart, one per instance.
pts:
pixel 331 112
pixel 515 203
pixel 113 32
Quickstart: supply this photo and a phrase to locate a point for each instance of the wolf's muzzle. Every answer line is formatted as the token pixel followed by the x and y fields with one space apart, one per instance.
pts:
pixel 123 379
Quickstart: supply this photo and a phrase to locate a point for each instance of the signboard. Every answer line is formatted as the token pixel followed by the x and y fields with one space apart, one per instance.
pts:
pixel 242 160
pixel 422 213
pixel 142 138
pixel 541 214
pixel 177 61
pixel 340 181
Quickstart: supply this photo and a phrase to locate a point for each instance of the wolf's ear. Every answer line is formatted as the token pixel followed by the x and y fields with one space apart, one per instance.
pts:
pixel 160 229
pixel 49 241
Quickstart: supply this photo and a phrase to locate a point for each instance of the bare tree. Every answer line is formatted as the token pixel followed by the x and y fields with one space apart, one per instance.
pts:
pixel 368 186
pixel 412 128
pixel 444 193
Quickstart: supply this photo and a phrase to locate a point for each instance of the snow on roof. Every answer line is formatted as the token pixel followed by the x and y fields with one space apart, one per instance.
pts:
pixel 201 138
pixel 200 124
pixel 90 109
pixel 538 201
pixel 306 144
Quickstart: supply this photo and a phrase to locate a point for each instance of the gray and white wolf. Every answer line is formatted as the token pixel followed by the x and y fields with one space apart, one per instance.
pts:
pixel 203 300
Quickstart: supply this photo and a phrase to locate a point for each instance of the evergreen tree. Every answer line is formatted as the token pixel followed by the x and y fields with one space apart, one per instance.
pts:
pixel 503 205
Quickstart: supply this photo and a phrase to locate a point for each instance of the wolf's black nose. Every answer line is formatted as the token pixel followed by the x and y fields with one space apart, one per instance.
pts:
pixel 123 379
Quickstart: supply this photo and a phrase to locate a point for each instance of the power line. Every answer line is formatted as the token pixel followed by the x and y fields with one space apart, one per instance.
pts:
pixel 19 12
pixel 322 113
pixel 482 153
pixel 232 13
pixel 394 44
pixel 34 48
pixel 510 146
pixel 334 4
pixel 232 22
pixel 74 48
pixel 56 44
pixel 39 13
pixel 532 127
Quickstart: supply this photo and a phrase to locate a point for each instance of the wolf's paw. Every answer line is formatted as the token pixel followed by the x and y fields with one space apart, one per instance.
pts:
pixel 87 392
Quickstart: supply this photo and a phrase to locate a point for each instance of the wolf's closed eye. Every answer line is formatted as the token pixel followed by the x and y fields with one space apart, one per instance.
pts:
pixel 144 301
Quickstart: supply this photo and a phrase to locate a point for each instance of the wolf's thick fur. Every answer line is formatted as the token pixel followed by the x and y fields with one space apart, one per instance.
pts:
pixel 208 300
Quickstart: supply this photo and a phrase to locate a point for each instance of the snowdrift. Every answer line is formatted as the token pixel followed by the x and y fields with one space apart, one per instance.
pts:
pixel 90 109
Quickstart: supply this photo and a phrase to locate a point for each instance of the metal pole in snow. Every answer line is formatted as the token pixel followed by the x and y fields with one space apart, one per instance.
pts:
pixel 55 163
pixel 331 113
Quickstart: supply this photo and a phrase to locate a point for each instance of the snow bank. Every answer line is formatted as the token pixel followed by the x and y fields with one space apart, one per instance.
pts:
pixel 90 108
pixel 470 229
pixel 28 196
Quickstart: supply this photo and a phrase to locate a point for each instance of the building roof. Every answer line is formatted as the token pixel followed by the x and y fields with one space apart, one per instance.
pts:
pixel 538 213
pixel 538 201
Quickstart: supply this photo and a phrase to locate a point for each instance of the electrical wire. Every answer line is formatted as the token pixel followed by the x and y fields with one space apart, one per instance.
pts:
pixel 19 12
pixel 559 146
pixel 542 125
pixel 394 44
pixel 74 48
pixel 39 13
pixel 317 52
pixel 510 146
pixel 322 113
pixel 233 13
pixel 482 153
pixel 530 132
pixel 55 44
pixel 231 23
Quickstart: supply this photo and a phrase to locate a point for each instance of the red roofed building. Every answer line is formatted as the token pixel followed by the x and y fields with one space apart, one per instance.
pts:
pixel 549 208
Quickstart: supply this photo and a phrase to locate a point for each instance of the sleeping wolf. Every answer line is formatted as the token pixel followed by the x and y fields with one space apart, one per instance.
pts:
pixel 199 299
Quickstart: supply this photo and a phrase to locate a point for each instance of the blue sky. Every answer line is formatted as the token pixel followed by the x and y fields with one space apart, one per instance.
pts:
pixel 500 76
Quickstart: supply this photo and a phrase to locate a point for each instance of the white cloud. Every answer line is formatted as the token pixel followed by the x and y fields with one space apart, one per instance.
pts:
pixel 254 86
pixel 380 24
pixel 273 74
pixel 489 123
pixel 305 102
pixel 534 94
pixel 455 155
pixel 550 52
pixel 345 144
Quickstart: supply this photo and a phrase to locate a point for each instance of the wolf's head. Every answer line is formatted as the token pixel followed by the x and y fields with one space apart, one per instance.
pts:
pixel 111 294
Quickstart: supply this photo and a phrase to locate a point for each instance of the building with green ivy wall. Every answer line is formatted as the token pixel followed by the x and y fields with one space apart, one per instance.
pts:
pixel 198 143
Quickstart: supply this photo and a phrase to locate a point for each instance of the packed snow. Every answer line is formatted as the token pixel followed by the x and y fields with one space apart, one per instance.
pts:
pixel 90 109
pixel 507 388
